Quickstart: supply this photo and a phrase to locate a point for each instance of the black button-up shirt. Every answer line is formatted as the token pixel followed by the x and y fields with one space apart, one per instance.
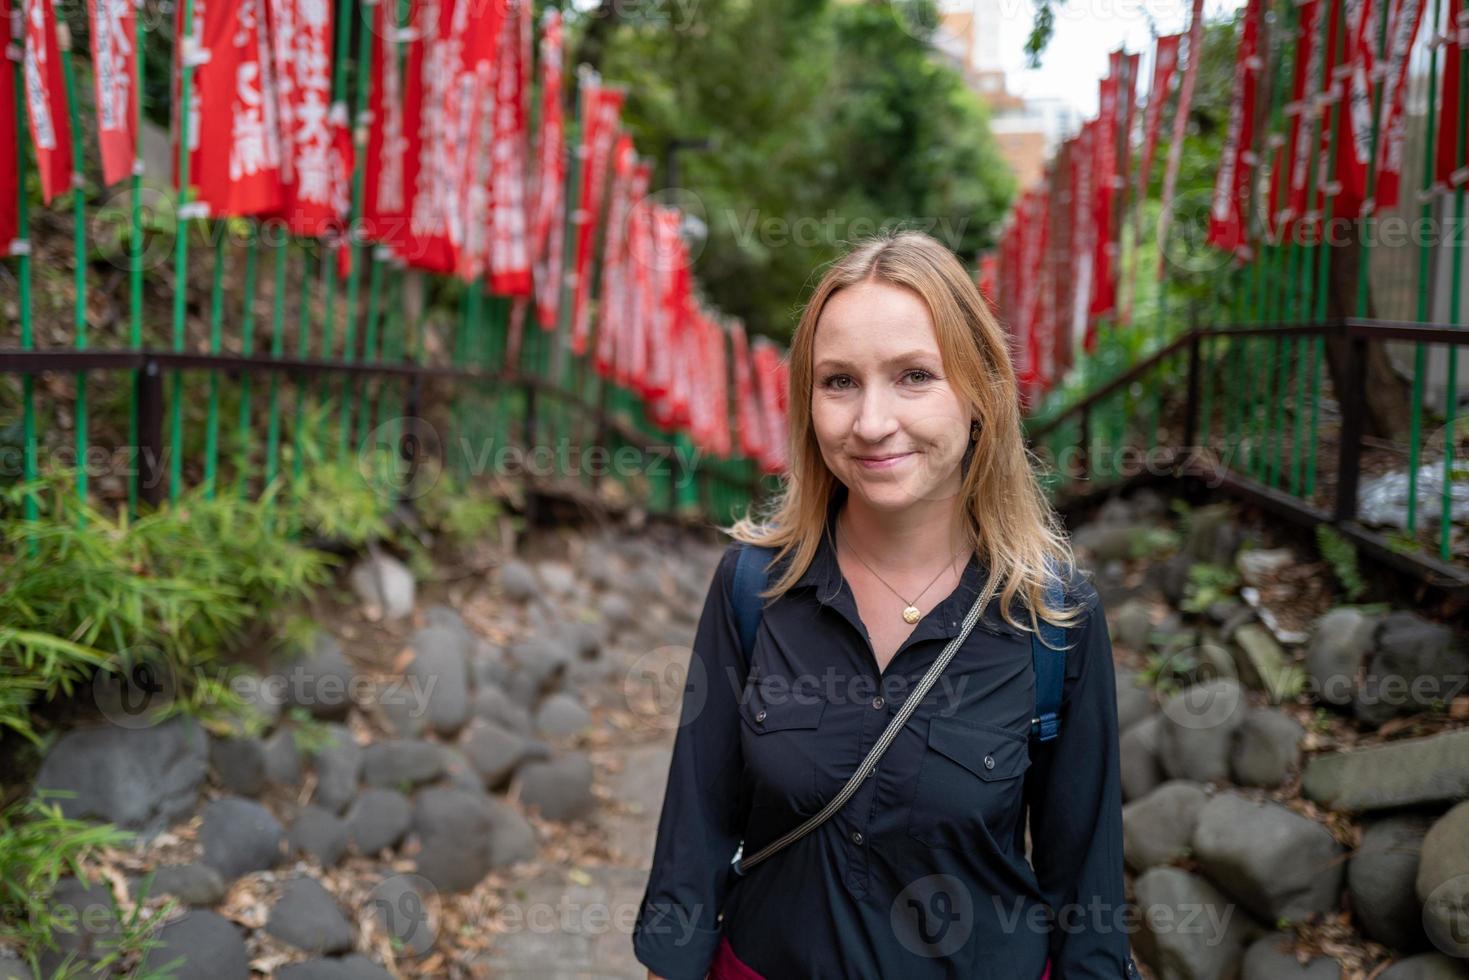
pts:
pixel 924 872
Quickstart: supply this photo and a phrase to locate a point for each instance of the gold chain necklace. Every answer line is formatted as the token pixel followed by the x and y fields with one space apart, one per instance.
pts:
pixel 910 609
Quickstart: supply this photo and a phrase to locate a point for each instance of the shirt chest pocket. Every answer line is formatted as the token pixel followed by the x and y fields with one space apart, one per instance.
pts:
pixel 969 785
pixel 780 741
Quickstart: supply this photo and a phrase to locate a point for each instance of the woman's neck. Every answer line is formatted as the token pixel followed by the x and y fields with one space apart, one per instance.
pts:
pixel 906 541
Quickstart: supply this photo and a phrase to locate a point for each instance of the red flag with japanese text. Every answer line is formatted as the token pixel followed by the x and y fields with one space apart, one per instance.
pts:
pixel 468 49
pixel 384 192
pixel 601 107
pixel 1103 292
pixel 45 91
pixel 548 198
pixel 1452 152
pixel 509 197
pixel 1165 61
pixel 9 160
pixel 1231 187
pixel 427 179
pixel 611 306
pixel 234 138
pixel 301 36
pixel 115 79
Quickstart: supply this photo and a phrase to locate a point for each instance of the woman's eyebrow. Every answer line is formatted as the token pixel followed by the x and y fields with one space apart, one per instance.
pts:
pixel 912 355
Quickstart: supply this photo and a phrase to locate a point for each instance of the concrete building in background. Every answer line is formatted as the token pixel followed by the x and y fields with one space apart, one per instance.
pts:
pixel 969 36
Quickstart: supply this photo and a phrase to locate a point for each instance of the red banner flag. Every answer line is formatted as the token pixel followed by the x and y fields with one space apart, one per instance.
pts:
pixel 1165 60
pixel 9 160
pixel 46 99
pixel 1104 292
pixel 601 107
pixel 426 176
pixel 301 35
pixel 1231 182
pixel 1453 142
pixel 611 307
pixel 384 193
pixel 1180 122
pixel 1288 180
pixel 509 248
pixel 115 77
pixel 1369 71
pixel 468 49
pixel 548 219
pixel 634 362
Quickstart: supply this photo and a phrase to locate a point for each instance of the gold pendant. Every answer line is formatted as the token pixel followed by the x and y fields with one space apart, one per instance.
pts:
pixel 911 614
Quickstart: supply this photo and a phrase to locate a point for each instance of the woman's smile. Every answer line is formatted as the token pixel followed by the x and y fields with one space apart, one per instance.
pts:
pixel 886 462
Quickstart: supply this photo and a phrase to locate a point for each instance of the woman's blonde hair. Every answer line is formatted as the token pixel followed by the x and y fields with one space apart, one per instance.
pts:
pixel 1007 518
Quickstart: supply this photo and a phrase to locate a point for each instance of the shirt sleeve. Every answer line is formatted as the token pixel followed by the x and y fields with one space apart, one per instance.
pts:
pixel 1075 795
pixel 677 930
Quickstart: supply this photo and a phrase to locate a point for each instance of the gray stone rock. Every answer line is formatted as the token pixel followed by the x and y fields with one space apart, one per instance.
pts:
pixel 385 584
pixel 440 616
pixel 1189 929
pixel 401 762
pixel 560 788
pixel 89 910
pixel 1107 542
pixel 1158 828
pixel 1257 566
pixel 282 759
pixel 1134 698
pixel 1132 626
pixel 321 681
pixel 239 764
pixel 517 582
pixel 191 884
pixel 1213 534
pixel 1141 771
pixel 1196 730
pixel 1381 876
pixel 441 665
pixel 240 836
pixel 494 705
pixel 582 638
pixel 489 666
pixel 307 917
pixel 561 715
pixel 377 819
pixel 1269 958
pixel 1280 864
pixel 616 611
pixel 211 946
pixel 13 969
pixel 1416 665
pixel 494 752
pixel 1426 966
pixel 1263 665
pixel 1432 769
pixel 1443 881
pixel 558 578
pixel 452 827
pixel 459 771
pixel 353 967
pixel 1267 746
pixel 338 770
pixel 542 662
pixel 319 834
pixel 512 838
pixel 140 779
pixel 1341 641
pixel 401 905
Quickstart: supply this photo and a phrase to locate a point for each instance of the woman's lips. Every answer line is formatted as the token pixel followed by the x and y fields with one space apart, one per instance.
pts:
pixel 884 463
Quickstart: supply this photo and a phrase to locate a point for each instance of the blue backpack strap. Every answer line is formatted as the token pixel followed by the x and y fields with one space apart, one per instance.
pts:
pixel 749 581
pixel 1050 667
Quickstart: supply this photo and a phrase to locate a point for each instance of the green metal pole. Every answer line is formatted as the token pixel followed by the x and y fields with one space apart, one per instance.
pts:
pixel 216 318
pixel 135 251
pixel 79 246
pixel 1456 293
pixel 22 248
pixel 247 348
pixel 181 249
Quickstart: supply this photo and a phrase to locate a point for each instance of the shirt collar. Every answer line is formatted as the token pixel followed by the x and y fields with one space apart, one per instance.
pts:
pixel 825 575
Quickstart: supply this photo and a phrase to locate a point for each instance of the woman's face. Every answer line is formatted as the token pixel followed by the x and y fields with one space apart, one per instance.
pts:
pixel 889 424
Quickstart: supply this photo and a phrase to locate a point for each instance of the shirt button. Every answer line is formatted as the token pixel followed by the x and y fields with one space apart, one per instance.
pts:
pixel 1130 968
pixel 878 702
pixel 760 716
pixel 856 837
pixel 989 762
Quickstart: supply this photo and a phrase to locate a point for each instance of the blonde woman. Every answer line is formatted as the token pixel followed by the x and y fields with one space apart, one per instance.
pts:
pixel 912 536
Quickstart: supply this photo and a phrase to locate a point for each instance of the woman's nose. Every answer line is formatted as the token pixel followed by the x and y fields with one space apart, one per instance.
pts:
pixel 875 417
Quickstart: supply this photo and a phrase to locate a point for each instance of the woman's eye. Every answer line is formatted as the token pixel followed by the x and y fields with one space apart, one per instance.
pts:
pixel 834 381
pixel 923 376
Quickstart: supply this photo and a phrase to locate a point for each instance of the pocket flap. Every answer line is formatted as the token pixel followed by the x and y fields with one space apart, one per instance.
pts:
pixel 989 752
pixel 783 713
